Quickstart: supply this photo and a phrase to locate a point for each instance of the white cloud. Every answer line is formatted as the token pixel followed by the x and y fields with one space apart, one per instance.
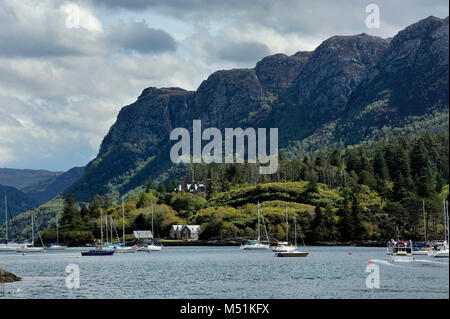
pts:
pixel 62 87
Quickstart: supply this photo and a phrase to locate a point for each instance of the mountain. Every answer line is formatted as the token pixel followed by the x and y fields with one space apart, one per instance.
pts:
pixel 349 90
pixel 20 178
pixel 17 202
pixel 45 190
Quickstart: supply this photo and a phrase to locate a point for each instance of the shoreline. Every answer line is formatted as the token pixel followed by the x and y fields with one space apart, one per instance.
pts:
pixel 231 243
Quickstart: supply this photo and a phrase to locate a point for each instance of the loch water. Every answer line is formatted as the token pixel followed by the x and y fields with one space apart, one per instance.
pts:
pixel 224 272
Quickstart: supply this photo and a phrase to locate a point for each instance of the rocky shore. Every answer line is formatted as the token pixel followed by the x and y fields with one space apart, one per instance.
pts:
pixel 6 276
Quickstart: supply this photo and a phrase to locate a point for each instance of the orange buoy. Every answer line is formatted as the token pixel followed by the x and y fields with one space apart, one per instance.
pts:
pixel 370 261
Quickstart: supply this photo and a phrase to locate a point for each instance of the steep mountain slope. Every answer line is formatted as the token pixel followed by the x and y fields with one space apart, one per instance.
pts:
pixel 20 178
pixel 407 90
pixel 17 202
pixel 351 89
pixel 44 191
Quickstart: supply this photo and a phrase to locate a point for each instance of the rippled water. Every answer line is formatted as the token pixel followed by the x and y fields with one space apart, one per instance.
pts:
pixel 225 272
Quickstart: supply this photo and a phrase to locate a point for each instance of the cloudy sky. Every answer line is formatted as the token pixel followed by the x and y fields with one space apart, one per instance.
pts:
pixel 67 67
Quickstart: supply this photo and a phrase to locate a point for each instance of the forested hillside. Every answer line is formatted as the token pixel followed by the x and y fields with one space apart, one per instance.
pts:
pixel 359 193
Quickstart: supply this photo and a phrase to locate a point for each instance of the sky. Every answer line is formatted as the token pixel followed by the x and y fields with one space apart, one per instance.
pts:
pixel 68 67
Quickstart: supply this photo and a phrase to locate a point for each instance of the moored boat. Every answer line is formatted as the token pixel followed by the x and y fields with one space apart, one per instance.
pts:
pixel 31 248
pixel 122 248
pixel 283 247
pixel 257 244
pixel 125 250
pixel 294 252
pixel 6 246
pixel 398 250
pixel 97 252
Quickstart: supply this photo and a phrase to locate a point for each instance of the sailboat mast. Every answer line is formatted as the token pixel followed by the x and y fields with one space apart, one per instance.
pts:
pixel 259 236
pixel 106 227
pixel 448 227
pixel 153 233
pixel 6 218
pixel 287 226
pixel 111 228
pixel 123 222
pixel 424 219
pixel 32 229
pixel 295 228
pixel 101 225
pixel 445 222
pixel 57 235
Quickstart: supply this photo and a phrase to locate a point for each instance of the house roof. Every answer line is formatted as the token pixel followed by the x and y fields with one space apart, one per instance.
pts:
pixel 176 227
pixel 193 228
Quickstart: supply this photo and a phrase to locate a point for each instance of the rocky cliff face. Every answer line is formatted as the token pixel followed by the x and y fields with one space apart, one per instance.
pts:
pixel 348 90
pixel 409 84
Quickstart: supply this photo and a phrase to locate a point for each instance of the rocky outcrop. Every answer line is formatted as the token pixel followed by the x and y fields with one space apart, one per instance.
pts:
pixel 405 91
pixel 344 91
pixel 8 277
pixel 334 71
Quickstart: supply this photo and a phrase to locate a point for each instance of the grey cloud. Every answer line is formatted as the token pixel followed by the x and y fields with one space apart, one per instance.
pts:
pixel 308 18
pixel 242 52
pixel 29 33
pixel 137 36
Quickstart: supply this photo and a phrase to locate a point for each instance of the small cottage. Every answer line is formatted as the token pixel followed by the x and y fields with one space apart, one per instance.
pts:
pixel 185 232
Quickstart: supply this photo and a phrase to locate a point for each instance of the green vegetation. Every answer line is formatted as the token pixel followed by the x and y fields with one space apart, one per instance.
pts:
pixel 359 193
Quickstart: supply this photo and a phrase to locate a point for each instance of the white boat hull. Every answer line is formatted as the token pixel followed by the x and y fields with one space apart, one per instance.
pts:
pixel 30 250
pixel 421 252
pixel 56 248
pixel 125 250
pixel 255 247
pixel 8 248
pixel 150 248
pixel 440 254
pixel 283 249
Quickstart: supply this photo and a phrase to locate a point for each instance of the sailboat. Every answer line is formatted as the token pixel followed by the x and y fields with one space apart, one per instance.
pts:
pixel 441 250
pixel 56 246
pixel 31 248
pixel 256 245
pixel 152 246
pixel 293 253
pixel 6 246
pixel 123 248
pixel 104 249
pixel 283 246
